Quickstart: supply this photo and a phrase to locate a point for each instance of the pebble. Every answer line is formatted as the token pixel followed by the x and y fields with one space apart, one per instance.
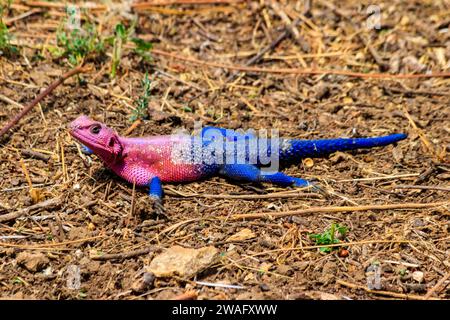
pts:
pixel 33 262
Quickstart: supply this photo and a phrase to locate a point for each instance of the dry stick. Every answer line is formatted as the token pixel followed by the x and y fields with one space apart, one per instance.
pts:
pixel 422 187
pixel 35 154
pixel 336 245
pixel 440 283
pixel 41 96
pixel 139 5
pixel 188 295
pixel 38 206
pixel 383 293
pixel 257 58
pixel 124 255
pixel 291 27
pixel 143 5
pixel 300 70
pixel 417 92
pixel 255 196
pixel 337 209
pixel 10 21
pixel 46 246
pixel 10 101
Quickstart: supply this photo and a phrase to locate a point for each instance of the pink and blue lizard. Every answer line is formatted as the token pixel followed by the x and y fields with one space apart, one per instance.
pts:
pixel 151 161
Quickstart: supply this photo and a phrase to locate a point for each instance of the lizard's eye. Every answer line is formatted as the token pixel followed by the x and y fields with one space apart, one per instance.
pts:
pixel 95 129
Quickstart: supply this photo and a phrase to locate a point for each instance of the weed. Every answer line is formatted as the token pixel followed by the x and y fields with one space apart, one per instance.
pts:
pixel 142 48
pixel 6 47
pixel 141 103
pixel 79 43
pixel 329 236
pixel 121 37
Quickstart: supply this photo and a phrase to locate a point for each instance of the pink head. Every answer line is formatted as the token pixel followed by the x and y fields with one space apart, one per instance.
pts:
pixel 103 141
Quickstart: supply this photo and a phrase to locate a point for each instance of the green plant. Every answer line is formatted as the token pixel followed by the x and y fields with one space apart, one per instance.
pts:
pixel 329 236
pixel 121 37
pixel 141 104
pixel 142 48
pixel 79 43
pixel 5 44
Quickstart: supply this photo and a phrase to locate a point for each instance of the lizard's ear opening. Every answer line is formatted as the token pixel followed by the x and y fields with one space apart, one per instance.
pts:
pixel 115 145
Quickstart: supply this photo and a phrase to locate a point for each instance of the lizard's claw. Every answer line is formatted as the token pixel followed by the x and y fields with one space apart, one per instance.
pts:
pixel 158 208
pixel 150 208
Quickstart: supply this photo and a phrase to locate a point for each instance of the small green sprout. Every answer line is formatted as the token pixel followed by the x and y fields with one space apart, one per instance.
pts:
pixel 141 104
pixel 329 236
pixel 121 37
pixel 79 43
pixel 6 48
pixel 142 48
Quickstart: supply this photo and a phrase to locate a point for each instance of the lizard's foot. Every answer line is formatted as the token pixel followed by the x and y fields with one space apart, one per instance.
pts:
pixel 148 207
pixel 158 208
pixel 309 184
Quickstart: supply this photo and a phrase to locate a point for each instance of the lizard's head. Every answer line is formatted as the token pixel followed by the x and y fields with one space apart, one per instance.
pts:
pixel 103 141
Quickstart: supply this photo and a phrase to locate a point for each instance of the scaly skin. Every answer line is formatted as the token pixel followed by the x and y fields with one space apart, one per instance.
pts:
pixel 151 161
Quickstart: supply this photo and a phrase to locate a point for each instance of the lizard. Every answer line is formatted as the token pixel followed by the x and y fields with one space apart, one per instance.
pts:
pixel 154 160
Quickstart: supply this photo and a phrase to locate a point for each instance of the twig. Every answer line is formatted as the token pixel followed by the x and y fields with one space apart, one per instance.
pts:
pixel 273 195
pixel 219 285
pixel 422 187
pixel 396 206
pixel 380 292
pixel 35 154
pixel 10 101
pixel 49 246
pixel 257 58
pixel 373 52
pixel 38 206
pixel 142 5
pixel 302 71
pixel 416 92
pixel 336 245
pixel 189 295
pixel 41 96
pixel 290 27
pixel 124 255
pixel 133 126
pixel 10 21
pixel 440 283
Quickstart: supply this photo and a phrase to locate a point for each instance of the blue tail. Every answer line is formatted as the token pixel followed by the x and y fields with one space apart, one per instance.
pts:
pixel 299 149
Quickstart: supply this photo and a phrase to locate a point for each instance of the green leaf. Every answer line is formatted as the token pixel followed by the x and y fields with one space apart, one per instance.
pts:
pixel 120 30
pixel 142 44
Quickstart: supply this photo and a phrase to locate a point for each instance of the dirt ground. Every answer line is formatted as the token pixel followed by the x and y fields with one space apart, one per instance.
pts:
pixel 46 250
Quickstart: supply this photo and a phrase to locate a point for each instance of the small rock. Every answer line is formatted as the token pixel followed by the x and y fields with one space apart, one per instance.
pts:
pixel 284 270
pixel 267 243
pixel 319 295
pixel 244 234
pixel 321 90
pixel 73 277
pixel 143 283
pixel 183 262
pixel 418 276
pixel 33 262
pixel 264 287
pixel 373 277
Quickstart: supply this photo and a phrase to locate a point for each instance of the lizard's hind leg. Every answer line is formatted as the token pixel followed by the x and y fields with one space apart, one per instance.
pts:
pixel 247 172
